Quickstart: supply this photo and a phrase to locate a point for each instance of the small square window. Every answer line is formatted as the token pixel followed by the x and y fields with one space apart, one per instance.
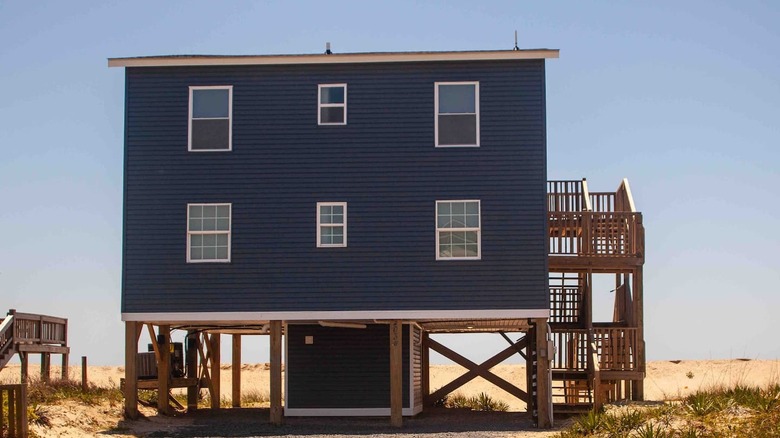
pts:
pixel 457 114
pixel 208 232
pixel 332 104
pixel 331 224
pixel 210 121
pixel 458 229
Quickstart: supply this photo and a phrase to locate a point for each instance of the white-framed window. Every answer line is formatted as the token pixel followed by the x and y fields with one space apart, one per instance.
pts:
pixel 208 232
pixel 457 114
pixel 331 224
pixel 458 230
pixel 210 118
pixel 332 104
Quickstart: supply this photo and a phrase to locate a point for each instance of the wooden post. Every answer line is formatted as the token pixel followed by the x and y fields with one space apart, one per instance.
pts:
pixel 45 367
pixel 236 368
pixel 543 395
pixel 638 386
pixel 396 373
pixel 64 375
pixel 22 413
pixel 24 359
pixel 84 381
pixel 164 369
pixel 2 403
pixel 214 347
pixel 11 413
pixel 425 367
pixel 276 373
pixel 192 369
pixel 131 370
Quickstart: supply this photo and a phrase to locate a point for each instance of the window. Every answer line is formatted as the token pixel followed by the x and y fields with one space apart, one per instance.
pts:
pixel 208 233
pixel 457 113
pixel 331 224
pixel 332 104
pixel 458 230
pixel 211 113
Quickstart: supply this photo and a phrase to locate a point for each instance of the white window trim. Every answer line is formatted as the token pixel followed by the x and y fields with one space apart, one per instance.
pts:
pixel 230 117
pixel 344 225
pixel 478 230
pixel 229 233
pixel 436 113
pixel 321 105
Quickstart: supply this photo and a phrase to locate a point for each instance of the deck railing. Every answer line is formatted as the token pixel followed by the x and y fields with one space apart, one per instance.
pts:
pixel 13 419
pixel 565 304
pixel 613 234
pixel 567 196
pixel 616 348
pixel 571 350
pixel 602 201
pixel 39 329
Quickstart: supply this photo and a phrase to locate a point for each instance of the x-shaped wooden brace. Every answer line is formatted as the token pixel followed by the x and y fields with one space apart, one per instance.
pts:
pixel 474 370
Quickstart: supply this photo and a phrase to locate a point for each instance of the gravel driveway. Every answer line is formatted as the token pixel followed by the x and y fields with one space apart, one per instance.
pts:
pixel 435 423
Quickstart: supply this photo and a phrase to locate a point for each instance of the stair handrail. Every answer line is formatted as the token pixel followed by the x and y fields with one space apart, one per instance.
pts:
pixel 595 369
pixel 586 196
pixel 624 200
pixel 6 329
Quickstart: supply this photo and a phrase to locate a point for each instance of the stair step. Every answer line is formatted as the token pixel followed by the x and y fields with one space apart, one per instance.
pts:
pixel 571 408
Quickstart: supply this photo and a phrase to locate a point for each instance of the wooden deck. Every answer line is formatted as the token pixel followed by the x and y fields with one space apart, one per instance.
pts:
pixel 28 333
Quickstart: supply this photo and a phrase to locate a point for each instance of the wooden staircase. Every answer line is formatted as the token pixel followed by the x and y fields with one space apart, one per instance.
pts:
pixel 594 233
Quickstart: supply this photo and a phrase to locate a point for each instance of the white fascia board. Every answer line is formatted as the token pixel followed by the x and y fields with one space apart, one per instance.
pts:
pixel 412 315
pixel 347 58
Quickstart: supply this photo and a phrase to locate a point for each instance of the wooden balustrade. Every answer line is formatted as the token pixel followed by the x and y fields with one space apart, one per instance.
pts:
pixel 571 350
pixel 13 419
pixel 602 201
pixel 612 234
pixel 565 304
pixel 616 348
pixel 39 329
pixel 566 196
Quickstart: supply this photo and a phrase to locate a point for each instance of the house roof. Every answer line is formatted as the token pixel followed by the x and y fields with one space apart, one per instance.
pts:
pixel 340 58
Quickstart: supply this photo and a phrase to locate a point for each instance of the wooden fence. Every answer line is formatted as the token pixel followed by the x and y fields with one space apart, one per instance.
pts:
pixel 14 424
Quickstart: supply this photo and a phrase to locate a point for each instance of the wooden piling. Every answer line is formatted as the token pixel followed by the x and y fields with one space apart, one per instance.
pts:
pixel 396 372
pixel 276 373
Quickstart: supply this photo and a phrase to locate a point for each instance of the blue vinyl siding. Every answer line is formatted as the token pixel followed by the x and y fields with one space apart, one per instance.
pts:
pixel 383 163
pixel 343 368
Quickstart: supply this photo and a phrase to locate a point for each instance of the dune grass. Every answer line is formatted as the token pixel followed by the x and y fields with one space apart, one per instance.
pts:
pixel 739 411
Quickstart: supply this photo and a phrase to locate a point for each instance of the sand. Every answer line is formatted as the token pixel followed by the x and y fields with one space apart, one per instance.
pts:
pixel 666 380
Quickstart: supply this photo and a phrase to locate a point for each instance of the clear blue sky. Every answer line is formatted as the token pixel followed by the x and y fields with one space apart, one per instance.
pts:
pixel 683 98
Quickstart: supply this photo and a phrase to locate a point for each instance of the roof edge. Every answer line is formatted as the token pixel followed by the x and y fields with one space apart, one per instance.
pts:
pixel 346 58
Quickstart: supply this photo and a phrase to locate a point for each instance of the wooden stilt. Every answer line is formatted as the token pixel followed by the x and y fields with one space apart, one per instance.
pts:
pixel 24 359
pixel 396 373
pixel 236 368
pixel 638 386
pixel 131 371
pixel 214 350
pixel 543 394
pixel 45 367
pixel 425 368
pixel 164 369
pixel 192 369
pixel 64 375
pixel 276 373
pixel 84 369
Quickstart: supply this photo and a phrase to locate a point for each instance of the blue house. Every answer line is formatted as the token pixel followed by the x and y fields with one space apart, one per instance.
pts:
pixel 349 204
